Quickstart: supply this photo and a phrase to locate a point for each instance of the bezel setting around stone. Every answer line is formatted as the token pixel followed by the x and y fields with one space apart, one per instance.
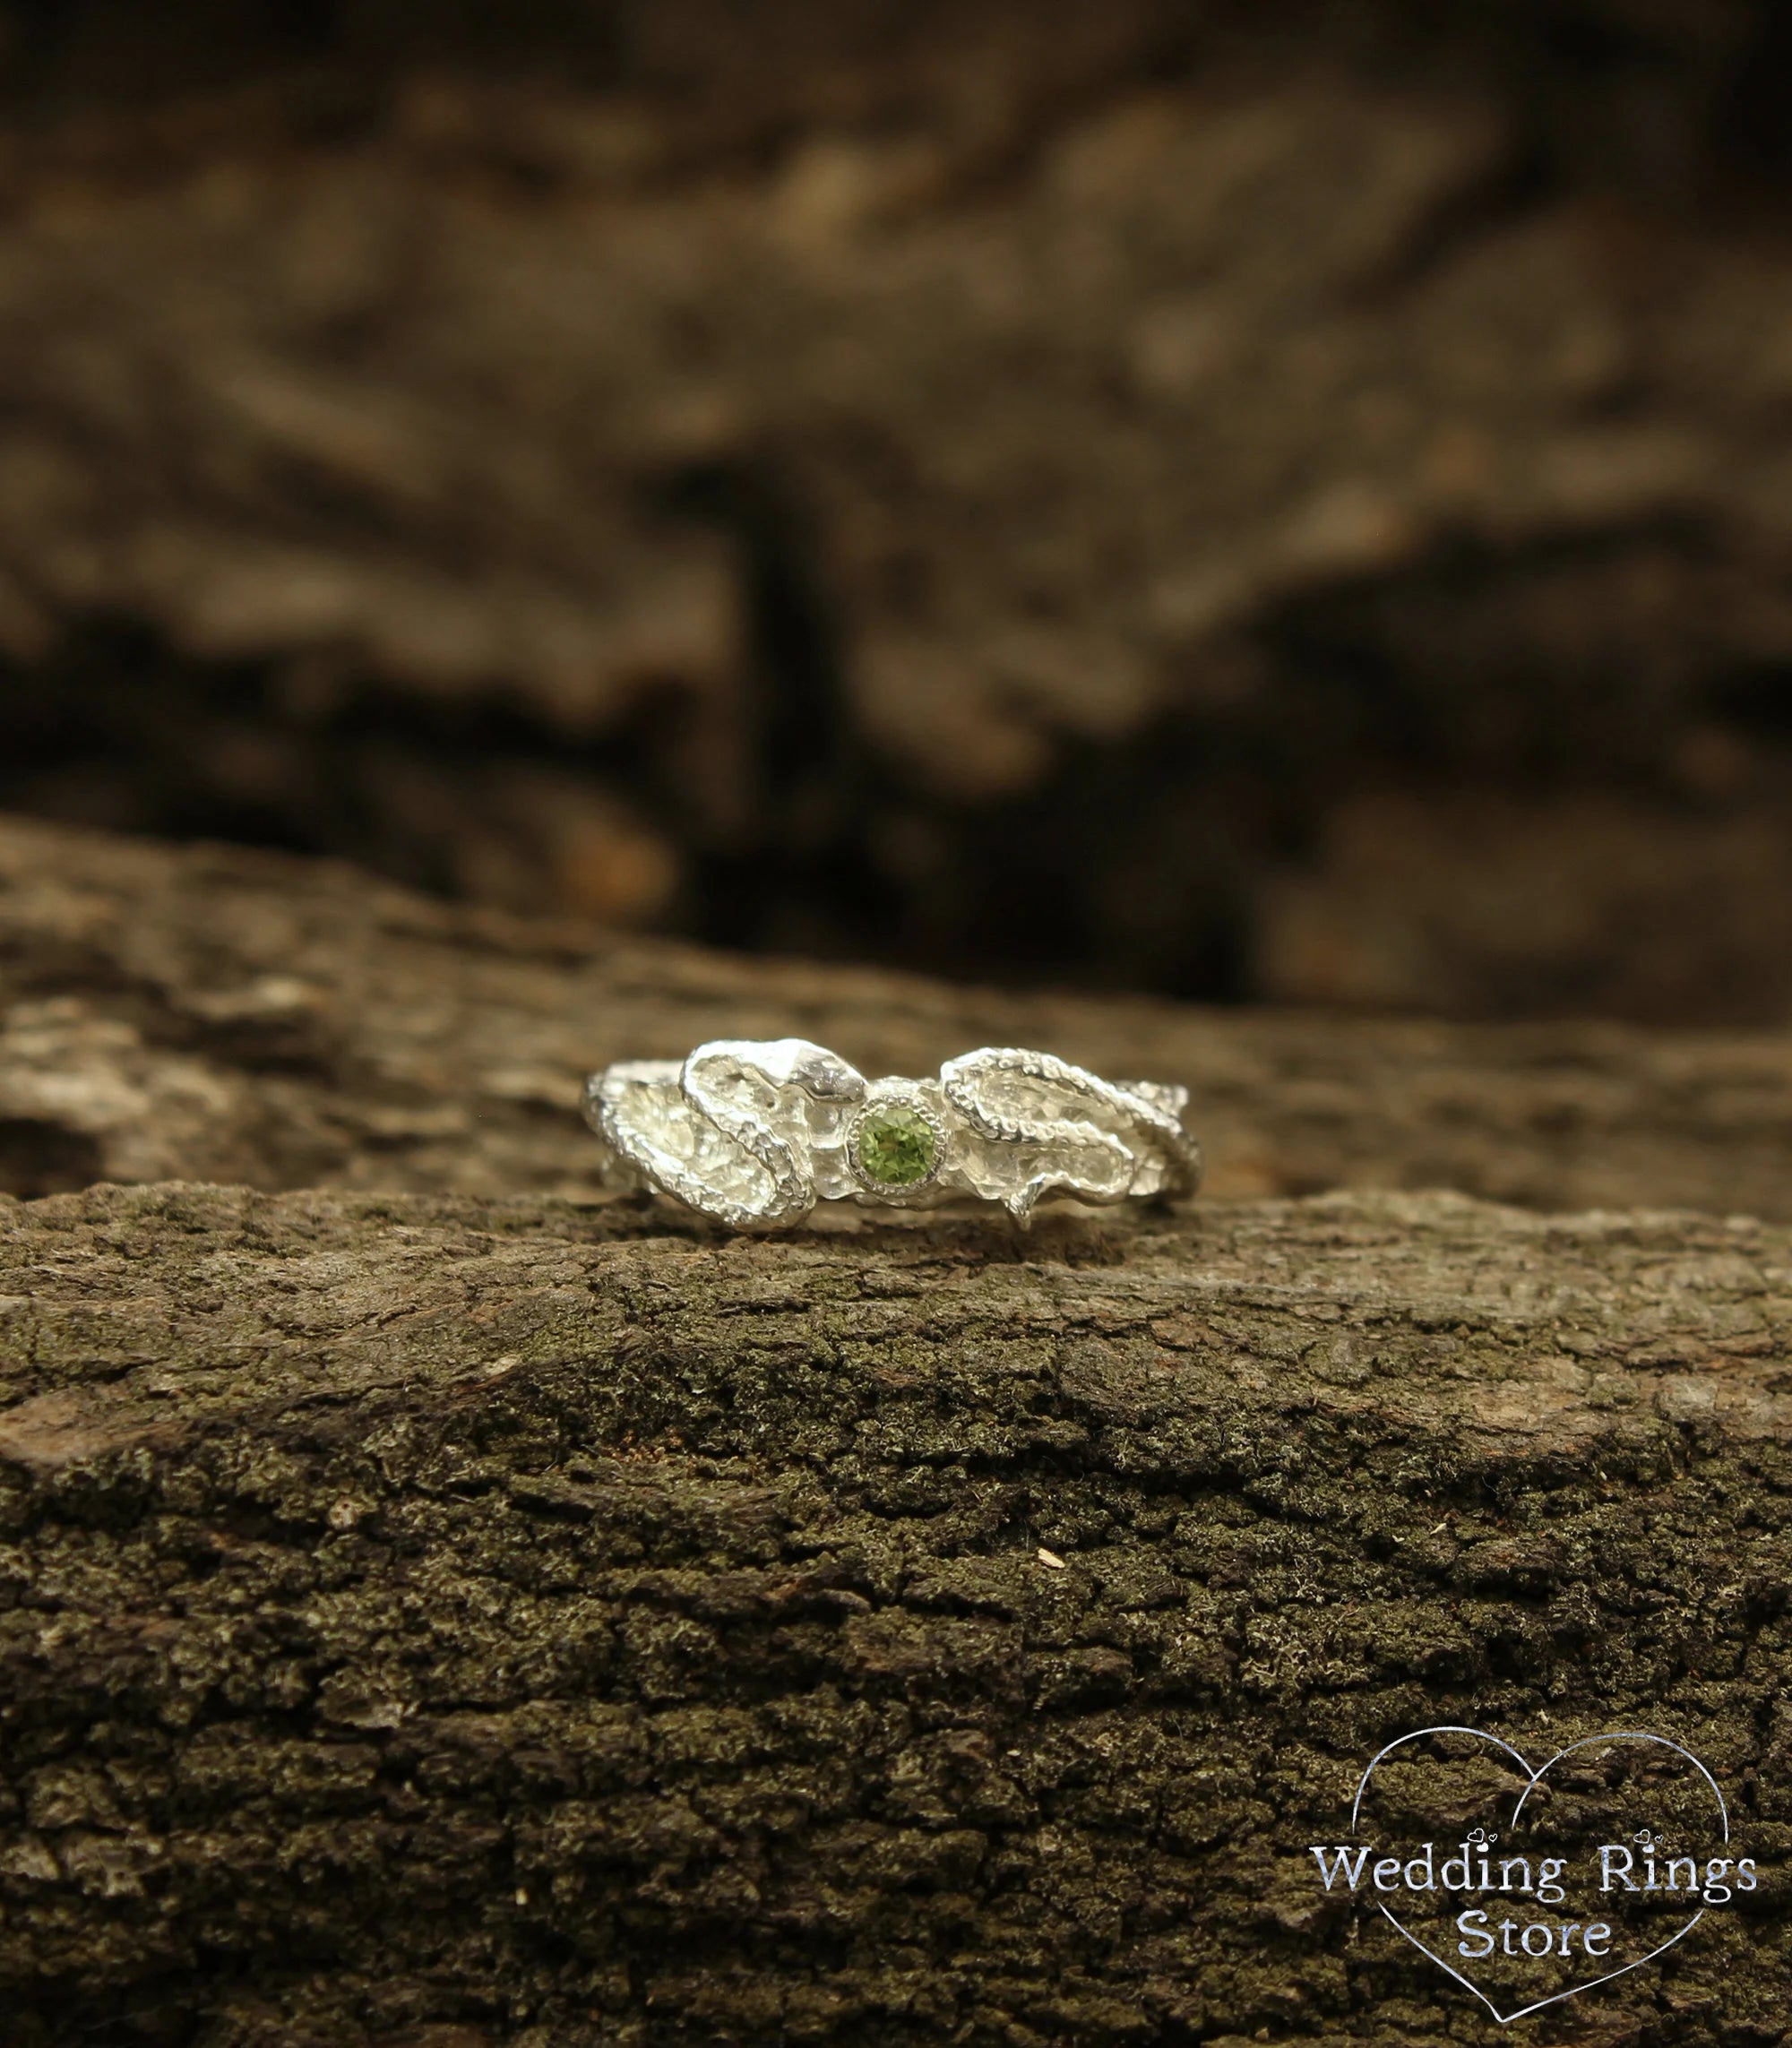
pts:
pixel 882 1103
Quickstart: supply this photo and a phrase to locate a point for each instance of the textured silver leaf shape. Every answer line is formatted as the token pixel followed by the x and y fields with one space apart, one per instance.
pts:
pixel 757 1130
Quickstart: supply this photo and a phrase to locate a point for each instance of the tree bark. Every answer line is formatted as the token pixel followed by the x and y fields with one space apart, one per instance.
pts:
pixel 437 1620
pixel 1316 475
pixel 477 1612
pixel 214 1014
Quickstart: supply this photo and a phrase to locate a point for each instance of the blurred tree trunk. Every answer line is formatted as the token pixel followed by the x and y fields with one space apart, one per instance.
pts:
pixel 1253 501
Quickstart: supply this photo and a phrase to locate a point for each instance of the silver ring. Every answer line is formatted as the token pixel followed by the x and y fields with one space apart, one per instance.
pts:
pixel 758 1130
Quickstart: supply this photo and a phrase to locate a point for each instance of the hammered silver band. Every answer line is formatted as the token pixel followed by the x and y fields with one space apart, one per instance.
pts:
pixel 755 1131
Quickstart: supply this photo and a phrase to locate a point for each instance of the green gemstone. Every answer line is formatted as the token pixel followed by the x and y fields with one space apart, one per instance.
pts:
pixel 896 1146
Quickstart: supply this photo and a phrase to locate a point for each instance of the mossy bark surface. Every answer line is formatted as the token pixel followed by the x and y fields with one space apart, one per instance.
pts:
pixel 435 1621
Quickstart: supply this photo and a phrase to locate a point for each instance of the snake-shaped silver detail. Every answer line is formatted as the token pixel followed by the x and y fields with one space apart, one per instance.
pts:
pixel 727 1131
pixel 1005 1093
pixel 755 1131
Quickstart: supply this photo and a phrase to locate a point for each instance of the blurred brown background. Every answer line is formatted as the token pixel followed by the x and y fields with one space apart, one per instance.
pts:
pixel 1255 501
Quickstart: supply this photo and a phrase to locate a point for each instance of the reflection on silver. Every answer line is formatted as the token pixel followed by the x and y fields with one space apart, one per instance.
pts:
pixel 758 1130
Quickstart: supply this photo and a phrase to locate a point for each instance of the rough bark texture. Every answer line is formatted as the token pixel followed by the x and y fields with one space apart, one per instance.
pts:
pixel 222 1015
pixel 437 1620
pixel 459 1616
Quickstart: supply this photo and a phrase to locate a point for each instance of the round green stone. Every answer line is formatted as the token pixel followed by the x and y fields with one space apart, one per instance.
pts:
pixel 896 1146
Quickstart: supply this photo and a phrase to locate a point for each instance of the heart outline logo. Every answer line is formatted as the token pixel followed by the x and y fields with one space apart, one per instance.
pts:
pixel 1533 1778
